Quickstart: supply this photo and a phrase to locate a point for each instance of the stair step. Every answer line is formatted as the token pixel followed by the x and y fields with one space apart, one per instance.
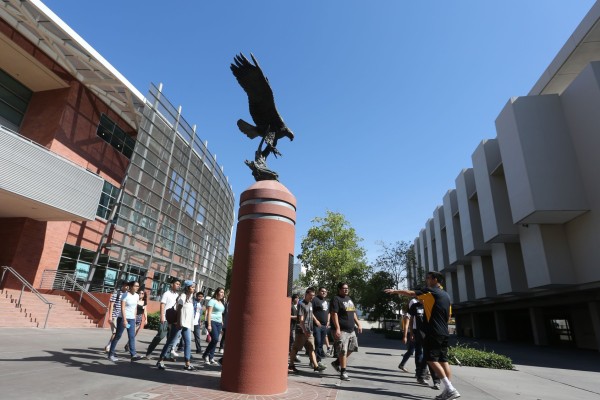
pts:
pixel 33 311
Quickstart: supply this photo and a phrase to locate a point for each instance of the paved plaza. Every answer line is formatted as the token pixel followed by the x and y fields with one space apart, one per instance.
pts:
pixel 71 364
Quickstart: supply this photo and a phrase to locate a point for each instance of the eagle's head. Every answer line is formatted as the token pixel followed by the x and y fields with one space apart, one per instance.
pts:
pixel 285 131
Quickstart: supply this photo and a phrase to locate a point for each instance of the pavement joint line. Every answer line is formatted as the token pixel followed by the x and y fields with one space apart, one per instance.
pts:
pixel 559 382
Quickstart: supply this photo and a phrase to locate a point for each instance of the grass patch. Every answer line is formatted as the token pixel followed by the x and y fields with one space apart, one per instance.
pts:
pixel 463 355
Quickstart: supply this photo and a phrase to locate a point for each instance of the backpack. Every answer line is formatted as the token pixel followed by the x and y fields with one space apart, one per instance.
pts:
pixel 171 313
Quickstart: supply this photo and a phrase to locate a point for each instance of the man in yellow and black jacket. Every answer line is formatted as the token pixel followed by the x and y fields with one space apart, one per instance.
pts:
pixel 436 303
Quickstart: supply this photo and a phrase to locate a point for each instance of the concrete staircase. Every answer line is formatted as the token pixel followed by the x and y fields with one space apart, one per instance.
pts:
pixel 32 311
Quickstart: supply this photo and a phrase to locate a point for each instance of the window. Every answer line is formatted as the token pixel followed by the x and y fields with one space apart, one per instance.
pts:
pixel 107 200
pixel 115 136
pixel 14 98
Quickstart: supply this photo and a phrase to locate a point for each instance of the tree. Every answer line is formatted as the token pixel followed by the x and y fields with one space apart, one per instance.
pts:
pixel 331 253
pixel 376 302
pixel 394 260
pixel 229 271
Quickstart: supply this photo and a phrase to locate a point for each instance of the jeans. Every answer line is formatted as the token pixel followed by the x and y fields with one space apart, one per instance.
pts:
pixel 186 335
pixel 172 340
pixel 163 330
pixel 119 333
pixel 198 338
pixel 410 350
pixel 320 332
pixel 214 338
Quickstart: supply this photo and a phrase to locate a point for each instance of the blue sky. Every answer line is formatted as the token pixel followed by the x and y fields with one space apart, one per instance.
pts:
pixel 387 99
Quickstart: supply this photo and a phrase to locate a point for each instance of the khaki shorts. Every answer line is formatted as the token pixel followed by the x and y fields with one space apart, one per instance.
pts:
pixel 346 343
pixel 302 340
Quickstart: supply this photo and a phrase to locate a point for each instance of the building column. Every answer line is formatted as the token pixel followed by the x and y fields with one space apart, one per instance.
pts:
pixel 594 308
pixel 500 326
pixel 540 334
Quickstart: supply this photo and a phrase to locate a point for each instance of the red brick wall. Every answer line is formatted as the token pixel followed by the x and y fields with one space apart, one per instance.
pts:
pixel 35 246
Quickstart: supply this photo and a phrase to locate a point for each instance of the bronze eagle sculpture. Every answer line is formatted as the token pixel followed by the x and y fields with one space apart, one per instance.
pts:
pixel 269 124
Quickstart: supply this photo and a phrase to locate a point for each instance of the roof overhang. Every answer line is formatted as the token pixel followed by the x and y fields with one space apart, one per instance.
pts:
pixel 47 31
pixel 582 48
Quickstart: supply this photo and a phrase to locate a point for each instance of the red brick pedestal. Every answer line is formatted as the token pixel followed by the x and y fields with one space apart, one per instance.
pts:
pixel 258 325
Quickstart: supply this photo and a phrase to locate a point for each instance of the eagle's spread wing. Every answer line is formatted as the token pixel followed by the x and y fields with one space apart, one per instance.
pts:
pixel 260 96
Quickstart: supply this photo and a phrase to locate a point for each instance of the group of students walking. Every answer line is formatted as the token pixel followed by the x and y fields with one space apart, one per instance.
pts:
pixel 181 315
pixel 313 318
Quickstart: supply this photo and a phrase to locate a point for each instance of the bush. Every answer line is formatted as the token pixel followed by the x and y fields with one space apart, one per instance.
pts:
pixel 463 355
pixel 153 321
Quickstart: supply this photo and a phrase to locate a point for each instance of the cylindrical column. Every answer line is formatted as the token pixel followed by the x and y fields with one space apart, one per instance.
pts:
pixel 258 324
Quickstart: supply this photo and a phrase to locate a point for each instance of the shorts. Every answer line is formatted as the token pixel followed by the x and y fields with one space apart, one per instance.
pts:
pixel 302 340
pixel 346 343
pixel 113 325
pixel 435 348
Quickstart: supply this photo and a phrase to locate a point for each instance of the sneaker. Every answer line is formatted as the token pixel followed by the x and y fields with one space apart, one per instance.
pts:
pixel 292 368
pixel 330 352
pixel 422 382
pixel 220 351
pixel 137 357
pixel 336 365
pixel 160 365
pixel 113 358
pixel 206 360
pixel 189 367
pixel 401 368
pixel 107 348
pixel 174 354
pixel 213 362
pixel 320 367
pixel 442 395
pixel 452 394
pixel 436 386
pixel 344 376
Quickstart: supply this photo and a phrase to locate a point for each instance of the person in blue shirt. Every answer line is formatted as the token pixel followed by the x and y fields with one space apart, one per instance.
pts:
pixel 214 324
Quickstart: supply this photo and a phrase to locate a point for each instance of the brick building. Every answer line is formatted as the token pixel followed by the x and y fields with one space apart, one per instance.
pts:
pixel 97 180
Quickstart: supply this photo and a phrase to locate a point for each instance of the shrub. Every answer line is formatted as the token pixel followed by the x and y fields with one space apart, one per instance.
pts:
pixel 153 321
pixel 461 354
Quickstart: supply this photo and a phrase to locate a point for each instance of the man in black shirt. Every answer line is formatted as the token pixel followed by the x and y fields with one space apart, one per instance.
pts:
pixel 321 313
pixel 344 318
pixel 436 303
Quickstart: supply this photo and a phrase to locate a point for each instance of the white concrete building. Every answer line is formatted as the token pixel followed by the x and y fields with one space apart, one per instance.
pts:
pixel 518 238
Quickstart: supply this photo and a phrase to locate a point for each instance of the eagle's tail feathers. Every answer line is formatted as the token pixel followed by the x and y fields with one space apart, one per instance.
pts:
pixel 248 129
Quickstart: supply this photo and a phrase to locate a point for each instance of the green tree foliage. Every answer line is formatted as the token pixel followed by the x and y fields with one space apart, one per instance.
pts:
pixel 375 302
pixel 331 253
pixel 229 272
pixel 394 260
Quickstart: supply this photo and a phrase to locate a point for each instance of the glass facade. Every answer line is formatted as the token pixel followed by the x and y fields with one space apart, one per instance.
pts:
pixel 176 212
pixel 14 98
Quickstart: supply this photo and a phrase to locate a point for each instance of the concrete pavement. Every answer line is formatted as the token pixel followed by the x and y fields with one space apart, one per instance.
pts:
pixel 71 364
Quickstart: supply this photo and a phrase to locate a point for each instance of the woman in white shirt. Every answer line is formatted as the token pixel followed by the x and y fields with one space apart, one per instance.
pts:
pixel 184 324
pixel 185 306
pixel 126 320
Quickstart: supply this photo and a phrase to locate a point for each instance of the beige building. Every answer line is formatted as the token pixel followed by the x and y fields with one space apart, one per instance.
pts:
pixel 518 238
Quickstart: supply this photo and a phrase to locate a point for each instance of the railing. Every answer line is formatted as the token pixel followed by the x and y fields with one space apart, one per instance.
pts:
pixel 56 280
pixel 28 286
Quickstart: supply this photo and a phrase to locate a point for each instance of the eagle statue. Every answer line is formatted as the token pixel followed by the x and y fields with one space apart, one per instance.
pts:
pixel 268 123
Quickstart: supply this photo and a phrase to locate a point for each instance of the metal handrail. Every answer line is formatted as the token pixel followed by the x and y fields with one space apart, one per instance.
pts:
pixel 28 286
pixel 69 283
